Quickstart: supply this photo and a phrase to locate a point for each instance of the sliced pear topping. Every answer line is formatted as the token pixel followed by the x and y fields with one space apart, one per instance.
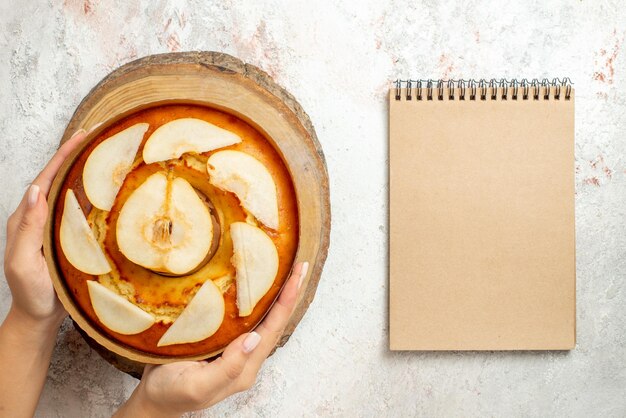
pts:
pixel 116 312
pixel 180 136
pixel 200 319
pixel 246 177
pixel 165 226
pixel 78 241
pixel 109 163
pixel 256 261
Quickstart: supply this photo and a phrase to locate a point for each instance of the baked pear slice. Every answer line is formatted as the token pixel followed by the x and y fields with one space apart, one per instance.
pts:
pixel 256 263
pixel 78 242
pixel 246 177
pixel 180 136
pixel 109 163
pixel 200 319
pixel 164 226
pixel 116 312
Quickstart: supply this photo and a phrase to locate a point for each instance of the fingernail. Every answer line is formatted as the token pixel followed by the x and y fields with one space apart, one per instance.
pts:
pixel 303 271
pixel 94 127
pixel 78 132
pixel 252 340
pixel 33 195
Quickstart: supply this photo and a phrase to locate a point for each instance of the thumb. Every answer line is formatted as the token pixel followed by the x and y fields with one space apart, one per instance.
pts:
pixel 233 360
pixel 29 235
pixel 228 368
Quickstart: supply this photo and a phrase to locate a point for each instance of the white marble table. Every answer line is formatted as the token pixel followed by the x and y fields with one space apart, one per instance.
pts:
pixel 337 58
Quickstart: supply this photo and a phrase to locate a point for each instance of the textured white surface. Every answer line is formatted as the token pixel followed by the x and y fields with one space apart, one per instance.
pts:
pixel 337 58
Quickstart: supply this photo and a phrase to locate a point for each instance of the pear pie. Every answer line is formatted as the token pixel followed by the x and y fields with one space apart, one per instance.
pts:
pixel 176 228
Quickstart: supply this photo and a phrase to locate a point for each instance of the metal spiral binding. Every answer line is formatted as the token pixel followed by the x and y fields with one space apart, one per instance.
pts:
pixel 500 89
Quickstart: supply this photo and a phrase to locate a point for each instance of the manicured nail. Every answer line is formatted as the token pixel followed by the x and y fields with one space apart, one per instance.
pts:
pixel 78 132
pixel 252 340
pixel 303 272
pixel 94 127
pixel 33 195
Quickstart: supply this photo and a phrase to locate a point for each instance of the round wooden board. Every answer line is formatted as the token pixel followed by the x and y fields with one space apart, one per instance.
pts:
pixel 226 83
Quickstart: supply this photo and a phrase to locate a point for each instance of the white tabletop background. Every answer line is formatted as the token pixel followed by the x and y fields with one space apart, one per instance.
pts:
pixel 337 58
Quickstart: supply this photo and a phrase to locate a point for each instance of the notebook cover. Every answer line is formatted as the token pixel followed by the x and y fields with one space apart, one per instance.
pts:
pixel 482 237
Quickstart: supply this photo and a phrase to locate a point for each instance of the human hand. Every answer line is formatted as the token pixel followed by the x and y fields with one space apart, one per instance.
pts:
pixel 25 268
pixel 170 390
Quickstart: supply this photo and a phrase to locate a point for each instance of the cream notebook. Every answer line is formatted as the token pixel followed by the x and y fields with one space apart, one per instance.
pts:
pixel 482 244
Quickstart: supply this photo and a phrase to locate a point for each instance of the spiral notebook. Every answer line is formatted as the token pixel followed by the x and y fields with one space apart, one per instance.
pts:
pixel 482 244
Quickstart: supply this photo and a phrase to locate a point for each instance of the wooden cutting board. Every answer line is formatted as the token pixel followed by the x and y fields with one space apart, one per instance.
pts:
pixel 224 82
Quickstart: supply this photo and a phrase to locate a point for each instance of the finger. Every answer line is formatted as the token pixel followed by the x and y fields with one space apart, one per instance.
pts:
pixel 224 372
pixel 272 327
pixel 17 220
pixel 29 234
pixel 45 178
